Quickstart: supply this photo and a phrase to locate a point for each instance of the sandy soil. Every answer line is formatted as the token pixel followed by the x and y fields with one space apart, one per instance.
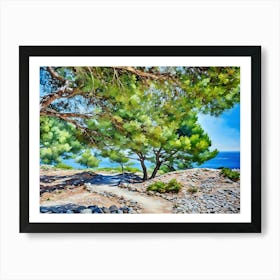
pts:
pixel 77 196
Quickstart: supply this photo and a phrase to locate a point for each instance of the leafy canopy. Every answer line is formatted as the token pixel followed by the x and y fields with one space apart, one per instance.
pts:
pixel 142 113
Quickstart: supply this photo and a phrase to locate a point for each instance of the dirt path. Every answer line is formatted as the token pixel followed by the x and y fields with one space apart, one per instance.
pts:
pixel 215 193
pixel 108 183
pixel 149 204
pixel 101 183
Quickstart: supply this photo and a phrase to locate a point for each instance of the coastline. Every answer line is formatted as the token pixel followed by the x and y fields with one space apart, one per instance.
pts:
pixel 228 159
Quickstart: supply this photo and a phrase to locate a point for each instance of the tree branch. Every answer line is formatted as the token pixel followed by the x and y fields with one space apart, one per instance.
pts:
pixel 166 157
pixel 148 75
pixel 55 75
pixel 63 92
pixel 67 117
pixel 53 113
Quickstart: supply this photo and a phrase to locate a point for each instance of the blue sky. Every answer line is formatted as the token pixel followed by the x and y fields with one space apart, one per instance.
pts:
pixel 224 131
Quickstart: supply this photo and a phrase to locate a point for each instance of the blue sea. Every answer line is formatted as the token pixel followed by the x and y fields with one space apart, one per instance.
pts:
pixel 223 159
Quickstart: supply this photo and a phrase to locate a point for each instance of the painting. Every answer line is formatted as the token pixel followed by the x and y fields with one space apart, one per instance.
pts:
pixel 140 139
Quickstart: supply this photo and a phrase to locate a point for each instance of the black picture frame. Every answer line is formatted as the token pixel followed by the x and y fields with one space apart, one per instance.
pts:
pixel 25 52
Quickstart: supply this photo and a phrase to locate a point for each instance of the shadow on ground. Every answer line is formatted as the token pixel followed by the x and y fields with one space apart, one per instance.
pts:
pixel 79 179
pixel 71 180
pixel 114 179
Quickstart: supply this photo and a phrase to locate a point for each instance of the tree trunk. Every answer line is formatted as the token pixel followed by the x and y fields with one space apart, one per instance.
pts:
pixel 171 168
pixel 144 168
pixel 158 165
pixel 122 171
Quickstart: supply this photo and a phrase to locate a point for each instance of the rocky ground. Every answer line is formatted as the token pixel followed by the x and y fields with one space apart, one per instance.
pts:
pixel 64 191
pixel 74 191
pixel 215 193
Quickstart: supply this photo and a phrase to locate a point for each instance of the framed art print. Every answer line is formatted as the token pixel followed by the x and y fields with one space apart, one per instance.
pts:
pixel 140 138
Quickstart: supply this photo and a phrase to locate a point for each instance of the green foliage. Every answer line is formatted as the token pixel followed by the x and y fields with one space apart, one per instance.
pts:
pixel 164 133
pixel 131 169
pixel 46 167
pixel 212 89
pixel 157 187
pixel 57 140
pixel 192 190
pixel 165 169
pixel 233 175
pixel 87 159
pixel 209 89
pixel 115 156
pixel 172 186
pixel 118 169
pixel 62 165
pixel 135 115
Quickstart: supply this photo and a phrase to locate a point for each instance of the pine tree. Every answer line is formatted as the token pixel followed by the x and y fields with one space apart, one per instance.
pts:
pixel 58 140
pixel 160 132
pixel 87 159
pixel 146 113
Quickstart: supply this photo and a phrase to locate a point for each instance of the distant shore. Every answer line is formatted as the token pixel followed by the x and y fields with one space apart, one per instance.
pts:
pixel 229 159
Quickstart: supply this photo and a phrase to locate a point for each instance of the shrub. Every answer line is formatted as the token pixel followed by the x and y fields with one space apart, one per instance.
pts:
pixel 46 167
pixel 157 187
pixel 61 165
pixel 233 175
pixel 131 169
pixel 119 169
pixel 192 190
pixel 161 187
pixel 173 186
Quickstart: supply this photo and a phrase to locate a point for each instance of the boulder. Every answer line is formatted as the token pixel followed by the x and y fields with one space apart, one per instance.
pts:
pixel 79 209
pixel 86 211
pixel 125 210
pixel 92 207
pixel 44 209
pixel 113 208
pixel 105 210
pixel 98 211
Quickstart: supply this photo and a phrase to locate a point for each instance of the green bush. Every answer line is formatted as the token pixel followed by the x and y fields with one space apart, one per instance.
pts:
pixel 119 169
pixel 192 190
pixel 46 167
pixel 173 186
pixel 233 175
pixel 157 187
pixel 61 165
pixel 131 169
pixel 161 187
